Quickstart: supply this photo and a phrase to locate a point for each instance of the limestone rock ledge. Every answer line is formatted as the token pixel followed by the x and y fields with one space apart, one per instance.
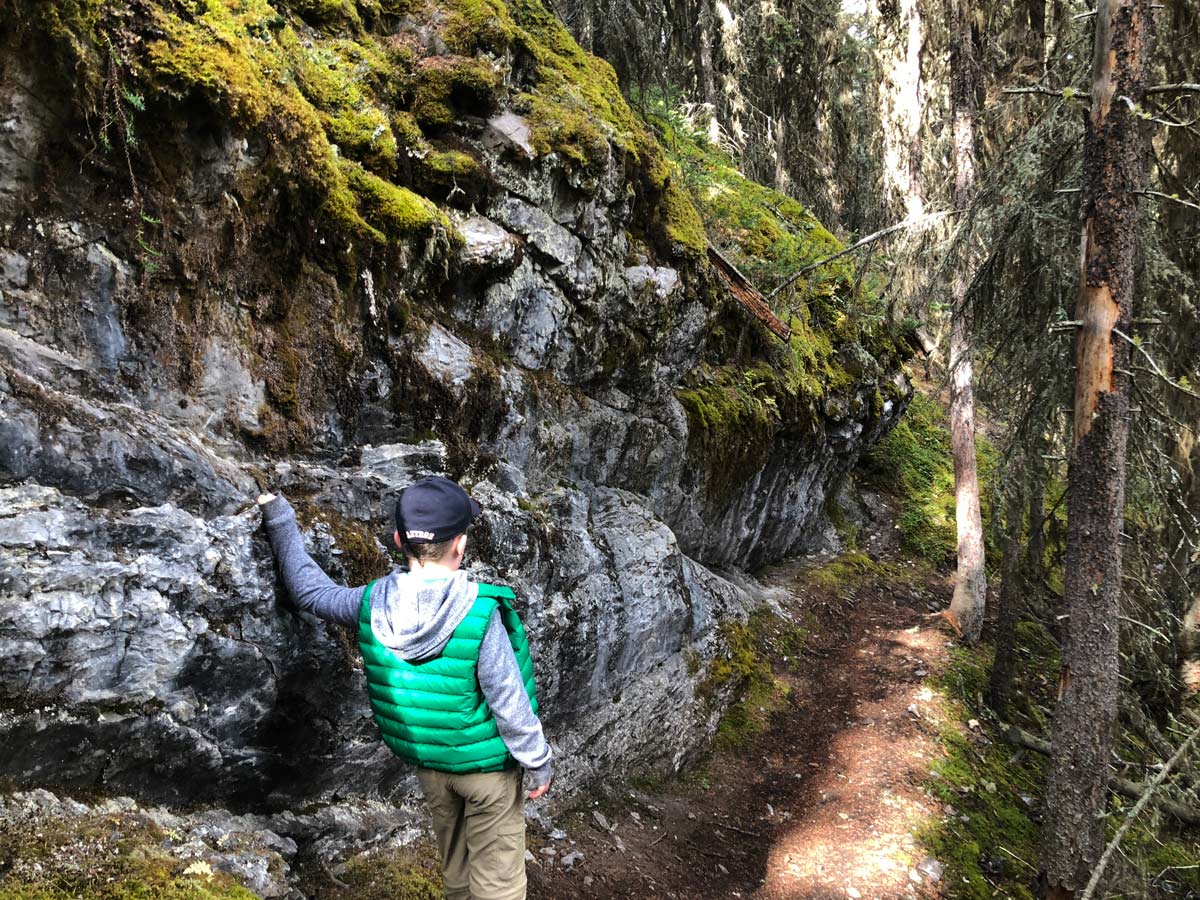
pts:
pixel 537 353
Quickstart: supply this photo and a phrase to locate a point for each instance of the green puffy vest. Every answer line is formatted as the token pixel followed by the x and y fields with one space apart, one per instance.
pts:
pixel 432 713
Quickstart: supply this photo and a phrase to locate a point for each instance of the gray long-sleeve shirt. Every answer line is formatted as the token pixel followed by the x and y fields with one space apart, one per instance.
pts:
pixel 414 616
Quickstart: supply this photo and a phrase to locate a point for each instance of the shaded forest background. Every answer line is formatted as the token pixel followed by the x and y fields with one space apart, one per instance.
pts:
pixel 849 108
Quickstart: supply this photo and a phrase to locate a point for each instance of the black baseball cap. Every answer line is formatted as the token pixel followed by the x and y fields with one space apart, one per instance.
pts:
pixel 432 510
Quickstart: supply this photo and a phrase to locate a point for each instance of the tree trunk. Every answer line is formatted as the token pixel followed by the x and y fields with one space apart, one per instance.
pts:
pixel 970 583
pixel 1036 10
pixel 1035 551
pixel 903 103
pixel 781 176
pixel 1084 718
pixel 705 79
pixel 1012 590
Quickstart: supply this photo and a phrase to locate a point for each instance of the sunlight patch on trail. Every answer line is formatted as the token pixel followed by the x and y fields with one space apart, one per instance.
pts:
pixel 856 839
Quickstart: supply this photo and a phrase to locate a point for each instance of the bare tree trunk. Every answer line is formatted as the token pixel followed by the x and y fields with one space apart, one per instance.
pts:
pixel 1012 590
pixel 914 200
pixel 1037 30
pixel 1035 551
pixel 1084 718
pixel 970 583
pixel 902 101
pixel 781 176
pixel 705 79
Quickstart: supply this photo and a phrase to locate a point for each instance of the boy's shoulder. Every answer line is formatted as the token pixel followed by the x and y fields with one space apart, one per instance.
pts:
pixel 497 591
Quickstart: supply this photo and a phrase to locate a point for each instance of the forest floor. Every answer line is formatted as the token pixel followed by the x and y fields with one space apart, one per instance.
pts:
pixel 820 790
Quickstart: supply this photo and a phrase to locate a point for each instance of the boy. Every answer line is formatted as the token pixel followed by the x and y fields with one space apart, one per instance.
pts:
pixel 449 678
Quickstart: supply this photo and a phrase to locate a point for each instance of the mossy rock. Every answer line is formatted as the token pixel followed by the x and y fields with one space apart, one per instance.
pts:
pixel 408 873
pixel 475 26
pixel 451 85
pixel 390 211
pixel 326 12
pixel 111 857
pixel 452 176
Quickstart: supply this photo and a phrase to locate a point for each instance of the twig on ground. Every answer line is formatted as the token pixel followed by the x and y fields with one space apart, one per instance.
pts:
pixel 1094 881
pixel 334 878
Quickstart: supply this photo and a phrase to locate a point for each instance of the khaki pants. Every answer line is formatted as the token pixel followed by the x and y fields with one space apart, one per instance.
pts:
pixel 479 821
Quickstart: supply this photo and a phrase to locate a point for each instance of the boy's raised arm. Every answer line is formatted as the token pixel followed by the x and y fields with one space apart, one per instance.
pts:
pixel 312 590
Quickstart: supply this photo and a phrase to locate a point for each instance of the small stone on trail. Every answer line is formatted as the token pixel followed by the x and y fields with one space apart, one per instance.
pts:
pixel 723 870
pixel 853 893
pixel 529 857
pixel 930 868
pixel 571 858
pixel 770 810
pixel 620 845
pixel 549 851
pixel 691 815
pixel 587 880
pixel 601 822
pixel 558 835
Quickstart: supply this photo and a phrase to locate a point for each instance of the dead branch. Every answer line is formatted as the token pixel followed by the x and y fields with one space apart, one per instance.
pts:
pixel 1182 88
pixel 1133 814
pixel 920 221
pixel 1173 199
pixel 1034 89
pixel 1187 814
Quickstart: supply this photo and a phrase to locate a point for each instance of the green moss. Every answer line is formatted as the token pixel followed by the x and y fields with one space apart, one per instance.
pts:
pixel 478 25
pixel 361 557
pixel 989 846
pixel 731 425
pixel 408 133
pixel 326 12
pixel 333 78
pixel 113 857
pixel 1170 865
pixel 407 874
pixel 915 463
pixel 452 176
pixel 70 25
pixel 746 666
pixel 856 568
pixel 390 210
pixel 566 127
pixel 450 84
pixel 681 224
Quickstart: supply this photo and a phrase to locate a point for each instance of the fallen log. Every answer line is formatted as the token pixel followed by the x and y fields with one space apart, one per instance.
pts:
pixel 1189 815
pixel 747 294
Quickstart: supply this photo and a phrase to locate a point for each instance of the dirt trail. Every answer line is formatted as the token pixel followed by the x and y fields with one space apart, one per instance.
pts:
pixel 823 803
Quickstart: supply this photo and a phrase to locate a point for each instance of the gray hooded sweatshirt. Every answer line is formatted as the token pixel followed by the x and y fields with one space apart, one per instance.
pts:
pixel 414 615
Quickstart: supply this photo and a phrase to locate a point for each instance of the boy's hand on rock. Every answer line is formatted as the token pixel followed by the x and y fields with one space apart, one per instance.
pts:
pixel 541 789
pixel 264 499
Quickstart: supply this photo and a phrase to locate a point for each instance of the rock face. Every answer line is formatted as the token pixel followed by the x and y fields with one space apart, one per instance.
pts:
pixel 145 648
